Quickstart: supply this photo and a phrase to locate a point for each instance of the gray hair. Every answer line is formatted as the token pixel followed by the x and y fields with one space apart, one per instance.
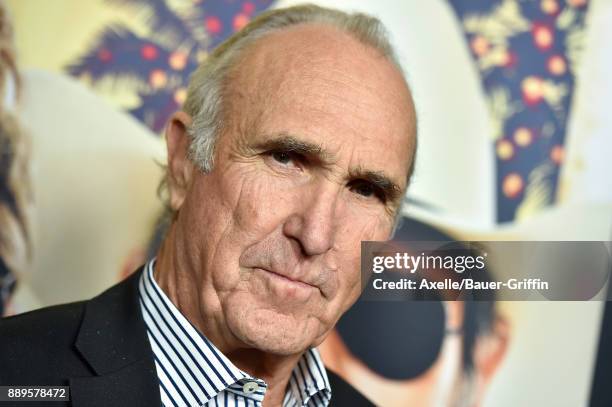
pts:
pixel 204 102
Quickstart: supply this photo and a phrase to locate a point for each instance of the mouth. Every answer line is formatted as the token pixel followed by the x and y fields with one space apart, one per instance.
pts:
pixel 287 281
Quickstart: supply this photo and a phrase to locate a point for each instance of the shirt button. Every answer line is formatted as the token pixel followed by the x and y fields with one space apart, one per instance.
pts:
pixel 250 387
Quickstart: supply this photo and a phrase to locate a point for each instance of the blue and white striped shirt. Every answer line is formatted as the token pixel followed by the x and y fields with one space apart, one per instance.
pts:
pixel 193 372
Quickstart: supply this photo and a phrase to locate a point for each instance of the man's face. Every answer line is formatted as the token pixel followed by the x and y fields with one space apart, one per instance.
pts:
pixel 313 159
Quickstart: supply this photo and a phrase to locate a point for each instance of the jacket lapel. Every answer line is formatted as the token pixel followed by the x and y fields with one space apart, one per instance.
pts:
pixel 113 340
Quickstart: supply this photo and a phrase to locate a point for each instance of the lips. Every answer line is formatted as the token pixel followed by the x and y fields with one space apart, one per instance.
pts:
pixel 286 264
pixel 323 281
pixel 289 279
pixel 281 288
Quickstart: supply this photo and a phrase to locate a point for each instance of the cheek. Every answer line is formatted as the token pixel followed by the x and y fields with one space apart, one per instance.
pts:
pixel 238 207
pixel 362 225
pixel 260 204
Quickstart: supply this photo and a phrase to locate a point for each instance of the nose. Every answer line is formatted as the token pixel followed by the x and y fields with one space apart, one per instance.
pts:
pixel 313 224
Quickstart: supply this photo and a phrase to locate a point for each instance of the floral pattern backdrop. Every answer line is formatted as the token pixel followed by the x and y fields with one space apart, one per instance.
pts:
pixel 158 66
pixel 527 53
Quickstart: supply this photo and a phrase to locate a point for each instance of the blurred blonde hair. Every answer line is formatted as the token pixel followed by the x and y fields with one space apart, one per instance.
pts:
pixel 15 194
pixel 16 201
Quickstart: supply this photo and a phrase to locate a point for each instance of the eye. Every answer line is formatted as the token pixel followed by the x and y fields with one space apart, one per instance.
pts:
pixel 367 189
pixel 363 189
pixel 283 157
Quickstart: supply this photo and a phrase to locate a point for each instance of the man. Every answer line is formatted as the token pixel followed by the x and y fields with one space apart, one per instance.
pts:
pixel 295 143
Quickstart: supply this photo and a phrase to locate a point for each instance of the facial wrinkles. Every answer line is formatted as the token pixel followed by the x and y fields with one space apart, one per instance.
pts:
pixel 251 217
pixel 319 78
pixel 347 116
pixel 283 254
pixel 339 175
pixel 276 253
pixel 185 297
pixel 195 293
pixel 325 105
pixel 207 252
pixel 333 84
pixel 277 256
pixel 312 78
pixel 212 251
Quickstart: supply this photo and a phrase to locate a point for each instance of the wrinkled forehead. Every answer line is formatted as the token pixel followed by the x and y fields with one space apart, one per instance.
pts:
pixel 318 81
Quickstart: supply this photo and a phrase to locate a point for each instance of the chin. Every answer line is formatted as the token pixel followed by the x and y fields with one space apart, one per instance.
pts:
pixel 273 332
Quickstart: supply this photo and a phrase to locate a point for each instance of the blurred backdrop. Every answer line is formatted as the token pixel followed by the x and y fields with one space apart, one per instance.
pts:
pixel 515 144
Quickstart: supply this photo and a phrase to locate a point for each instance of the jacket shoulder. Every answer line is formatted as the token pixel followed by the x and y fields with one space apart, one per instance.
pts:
pixel 43 318
pixel 38 344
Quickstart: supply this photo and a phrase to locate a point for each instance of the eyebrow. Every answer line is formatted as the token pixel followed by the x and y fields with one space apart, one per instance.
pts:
pixel 287 142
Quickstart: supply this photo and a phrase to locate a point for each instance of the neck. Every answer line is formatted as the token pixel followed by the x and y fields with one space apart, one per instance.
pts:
pixel 181 283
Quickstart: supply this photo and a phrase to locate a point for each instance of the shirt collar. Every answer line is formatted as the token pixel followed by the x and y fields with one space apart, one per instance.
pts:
pixel 201 362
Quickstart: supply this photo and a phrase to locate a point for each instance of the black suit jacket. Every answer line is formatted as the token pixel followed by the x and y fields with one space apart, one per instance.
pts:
pixel 100 349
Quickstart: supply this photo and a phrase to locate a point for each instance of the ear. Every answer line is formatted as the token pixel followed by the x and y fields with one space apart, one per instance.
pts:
pixel 489 353
pixel 180 167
